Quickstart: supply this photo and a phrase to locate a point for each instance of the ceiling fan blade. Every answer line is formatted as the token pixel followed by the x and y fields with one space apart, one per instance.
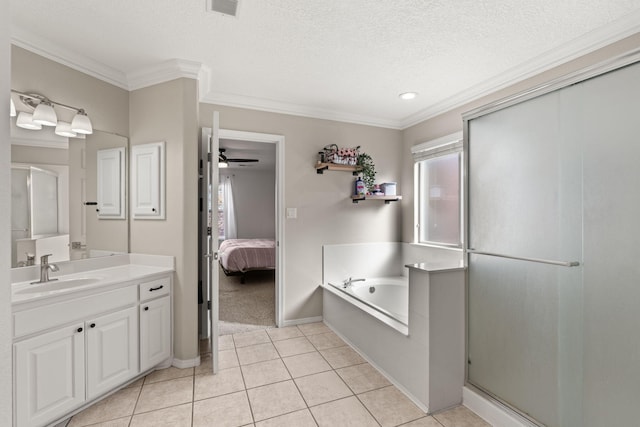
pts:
pixel 243 160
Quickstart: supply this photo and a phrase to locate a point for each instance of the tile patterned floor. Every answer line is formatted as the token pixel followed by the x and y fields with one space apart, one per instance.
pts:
pixel 295 376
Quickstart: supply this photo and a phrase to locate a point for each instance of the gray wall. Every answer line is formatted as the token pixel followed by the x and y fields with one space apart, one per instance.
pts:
pixel 254 194
pixel 325 212
pixel 168 112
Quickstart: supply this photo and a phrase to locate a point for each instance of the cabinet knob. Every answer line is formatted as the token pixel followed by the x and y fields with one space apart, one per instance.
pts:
pixel 153 209
pixel 79 329
pixel 97 210
pixel 146 309
pixel 93 325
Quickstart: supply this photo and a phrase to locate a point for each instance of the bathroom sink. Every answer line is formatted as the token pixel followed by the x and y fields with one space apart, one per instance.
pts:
pixel 57 285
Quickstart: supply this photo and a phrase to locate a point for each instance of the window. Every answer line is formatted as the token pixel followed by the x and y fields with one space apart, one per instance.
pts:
pixel 438 189
pixel 221 233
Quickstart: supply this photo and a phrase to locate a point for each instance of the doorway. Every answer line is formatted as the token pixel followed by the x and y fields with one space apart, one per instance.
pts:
pixel 253 222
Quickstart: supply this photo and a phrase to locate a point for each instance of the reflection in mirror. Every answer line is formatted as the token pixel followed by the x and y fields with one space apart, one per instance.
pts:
pixel 57 188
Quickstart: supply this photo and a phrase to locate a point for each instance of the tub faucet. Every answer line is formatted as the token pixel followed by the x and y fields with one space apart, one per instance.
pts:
pixel 44 269
pixel 346 283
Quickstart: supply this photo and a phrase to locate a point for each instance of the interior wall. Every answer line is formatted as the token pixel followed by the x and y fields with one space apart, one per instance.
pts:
pixel 325 214
pixel 451 121
pixel 168 112
pixel 254 195
pixel 6 381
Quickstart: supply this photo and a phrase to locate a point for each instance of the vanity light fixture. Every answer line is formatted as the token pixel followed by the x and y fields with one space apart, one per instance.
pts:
pixel 408 95
pixel 81 123
pixel 44 113
pixel 64 129
pixel 25 121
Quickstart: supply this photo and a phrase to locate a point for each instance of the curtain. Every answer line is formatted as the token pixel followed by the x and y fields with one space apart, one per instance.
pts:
pixel 230 228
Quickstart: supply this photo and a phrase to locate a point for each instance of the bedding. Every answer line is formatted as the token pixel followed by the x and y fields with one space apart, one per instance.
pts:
pixel 242 255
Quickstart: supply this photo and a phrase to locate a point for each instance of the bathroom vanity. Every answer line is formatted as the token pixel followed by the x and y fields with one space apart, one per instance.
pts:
pixel 101 324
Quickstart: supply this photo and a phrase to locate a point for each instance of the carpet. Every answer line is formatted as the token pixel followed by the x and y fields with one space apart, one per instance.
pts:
pixel 249 303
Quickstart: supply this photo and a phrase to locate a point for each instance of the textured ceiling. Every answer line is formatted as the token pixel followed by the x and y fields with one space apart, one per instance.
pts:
pixel 340 59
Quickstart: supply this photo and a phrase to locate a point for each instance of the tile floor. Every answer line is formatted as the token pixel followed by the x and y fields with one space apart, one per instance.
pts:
pixel 295 376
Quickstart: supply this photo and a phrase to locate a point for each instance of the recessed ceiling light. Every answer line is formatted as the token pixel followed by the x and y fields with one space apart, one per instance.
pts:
pixel 408 95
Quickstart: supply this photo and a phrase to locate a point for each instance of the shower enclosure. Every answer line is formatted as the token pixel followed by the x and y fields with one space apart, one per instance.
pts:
pixel 34 205
pixel 553 205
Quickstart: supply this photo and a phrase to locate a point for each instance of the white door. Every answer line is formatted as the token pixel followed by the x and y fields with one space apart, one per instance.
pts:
pixel 155 332
pixel 49 375
pixel 211 259
pixel 112 350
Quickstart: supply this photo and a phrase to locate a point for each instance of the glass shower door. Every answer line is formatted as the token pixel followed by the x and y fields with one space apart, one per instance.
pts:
pixel 525 278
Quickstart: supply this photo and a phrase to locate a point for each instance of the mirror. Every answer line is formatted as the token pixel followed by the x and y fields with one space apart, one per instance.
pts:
pixel 55 199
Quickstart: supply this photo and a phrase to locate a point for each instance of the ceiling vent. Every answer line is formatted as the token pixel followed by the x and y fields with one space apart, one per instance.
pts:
pixel 226 7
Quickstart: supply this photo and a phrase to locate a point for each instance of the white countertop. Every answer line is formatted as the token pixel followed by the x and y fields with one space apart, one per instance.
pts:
pixel 86 275
pixel 437 266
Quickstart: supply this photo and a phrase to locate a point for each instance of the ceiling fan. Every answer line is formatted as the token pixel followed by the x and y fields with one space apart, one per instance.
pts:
pixel 223 161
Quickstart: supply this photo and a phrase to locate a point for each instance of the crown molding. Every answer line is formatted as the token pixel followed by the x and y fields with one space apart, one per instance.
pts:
pixel 45 48
pixel 271 106
pixel 178 68
pixel 590 42
pixel 168 70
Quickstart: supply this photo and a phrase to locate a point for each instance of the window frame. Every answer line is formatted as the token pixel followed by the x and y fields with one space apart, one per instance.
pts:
pixel 449 144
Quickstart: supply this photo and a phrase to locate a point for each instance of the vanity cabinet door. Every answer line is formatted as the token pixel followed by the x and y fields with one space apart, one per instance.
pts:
pixel 155 332
pixel 111 183
pixel 147 181
pixel 112 351
pixel 49 375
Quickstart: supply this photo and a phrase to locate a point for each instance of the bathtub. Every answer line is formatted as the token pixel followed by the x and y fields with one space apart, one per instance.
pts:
pixel 385 298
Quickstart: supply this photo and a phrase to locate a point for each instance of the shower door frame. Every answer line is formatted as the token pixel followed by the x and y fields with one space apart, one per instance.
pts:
pixel 612 64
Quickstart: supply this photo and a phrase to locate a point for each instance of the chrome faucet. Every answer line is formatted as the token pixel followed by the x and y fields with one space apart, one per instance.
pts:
pixel 348 282
pixel 44 269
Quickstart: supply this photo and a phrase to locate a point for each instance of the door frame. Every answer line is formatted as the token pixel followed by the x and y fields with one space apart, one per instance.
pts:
pixel 278 140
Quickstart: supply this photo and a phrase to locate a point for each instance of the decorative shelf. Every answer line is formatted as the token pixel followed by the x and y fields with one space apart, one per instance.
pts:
pixel 385 199
pixel 321 167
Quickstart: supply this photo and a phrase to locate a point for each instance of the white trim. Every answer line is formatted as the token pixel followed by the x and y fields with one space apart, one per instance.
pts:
pixel 489 411
pixel 166 71
pixel 186 363
pixel 437 147
pixel 302 321
pixel 280 210
pixel 272 106
pixel 43 47
pixel 593 40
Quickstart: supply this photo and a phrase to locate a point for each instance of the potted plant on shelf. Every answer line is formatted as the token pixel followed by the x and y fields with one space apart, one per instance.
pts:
pixel 368 170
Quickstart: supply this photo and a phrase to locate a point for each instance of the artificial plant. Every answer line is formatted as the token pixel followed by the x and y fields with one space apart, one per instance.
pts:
pixel 368 170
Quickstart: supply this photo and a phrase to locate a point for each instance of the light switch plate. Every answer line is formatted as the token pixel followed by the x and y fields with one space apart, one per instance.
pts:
pixel 292 213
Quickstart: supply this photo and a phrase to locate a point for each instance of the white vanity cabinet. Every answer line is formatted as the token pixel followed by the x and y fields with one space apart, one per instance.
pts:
pixel 71 350
pixel 49 375
pixel 155 323
pixel 112 350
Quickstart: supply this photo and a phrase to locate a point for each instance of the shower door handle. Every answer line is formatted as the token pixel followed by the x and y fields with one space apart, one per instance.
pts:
pixel 519 258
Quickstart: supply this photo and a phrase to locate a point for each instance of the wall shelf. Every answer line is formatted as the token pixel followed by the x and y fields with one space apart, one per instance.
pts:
pixel 321 167
pixel 385 199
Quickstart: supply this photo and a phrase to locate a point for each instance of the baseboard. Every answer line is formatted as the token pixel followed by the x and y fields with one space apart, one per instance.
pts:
pixel 490 411
pixel 295 322
pixel 188 363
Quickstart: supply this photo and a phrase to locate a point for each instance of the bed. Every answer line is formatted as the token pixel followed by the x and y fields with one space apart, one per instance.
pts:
pixel 238 256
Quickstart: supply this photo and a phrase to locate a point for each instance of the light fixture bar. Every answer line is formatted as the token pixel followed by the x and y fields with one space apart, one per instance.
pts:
pixel 44 113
